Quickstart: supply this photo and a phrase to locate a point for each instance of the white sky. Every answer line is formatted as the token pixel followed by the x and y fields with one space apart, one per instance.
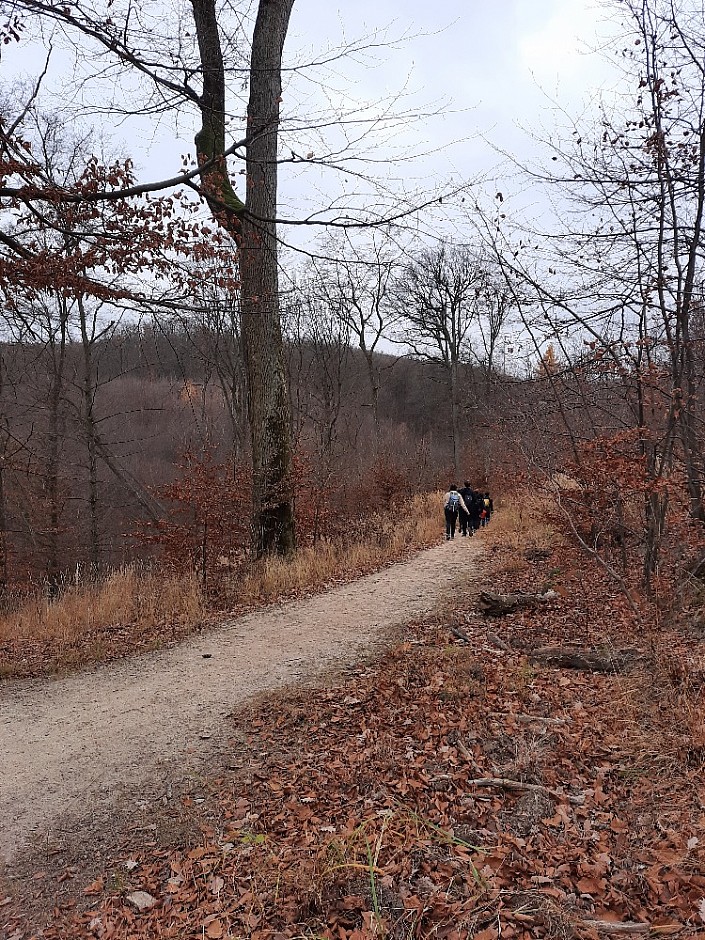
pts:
pixel 495 68
pixel 498 71
pixel 492 67
pixel 501 72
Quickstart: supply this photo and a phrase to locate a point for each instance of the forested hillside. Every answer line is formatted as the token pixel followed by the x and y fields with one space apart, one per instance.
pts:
pixel 93 465
pixel 184 377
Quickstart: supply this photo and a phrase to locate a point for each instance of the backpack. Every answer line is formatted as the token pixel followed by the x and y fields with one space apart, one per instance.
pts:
pixel 486 502
pixel 453 502
pixel 478 503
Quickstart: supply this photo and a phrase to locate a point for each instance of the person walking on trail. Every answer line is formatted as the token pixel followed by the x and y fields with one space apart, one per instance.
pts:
pixel 453 505
pixel 489 508
pixel 486 509
pixel 476 507
pixel 464 517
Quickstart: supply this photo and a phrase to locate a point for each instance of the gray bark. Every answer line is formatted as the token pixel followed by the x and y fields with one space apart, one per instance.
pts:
pixel 255 230
pixel 3 503
pixel 58 339
pixel 88 391
pixel 268 400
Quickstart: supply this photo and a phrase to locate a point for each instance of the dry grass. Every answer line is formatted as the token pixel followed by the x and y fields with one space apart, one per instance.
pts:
pixel 311 569
pixel 131 610
pixel 522 523
pixel 124 597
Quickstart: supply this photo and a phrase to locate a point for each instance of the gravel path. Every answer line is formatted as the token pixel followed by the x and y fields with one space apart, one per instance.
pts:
pixel 69 745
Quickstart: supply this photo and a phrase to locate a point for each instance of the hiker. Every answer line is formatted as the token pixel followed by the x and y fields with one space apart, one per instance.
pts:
pixel 476 507
pixel 487 508
pixel 467 495
pixel 452 506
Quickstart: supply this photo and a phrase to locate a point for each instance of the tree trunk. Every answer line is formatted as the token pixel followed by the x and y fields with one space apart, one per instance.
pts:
pixel 455 416
pixel 57 345
pixel 255 230
pixel 89 430
pixel 692 444
pixel 4 436
pixel 373 377
pixel 268 400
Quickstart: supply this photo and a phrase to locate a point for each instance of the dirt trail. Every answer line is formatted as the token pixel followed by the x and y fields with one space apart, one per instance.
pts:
pixel 69 746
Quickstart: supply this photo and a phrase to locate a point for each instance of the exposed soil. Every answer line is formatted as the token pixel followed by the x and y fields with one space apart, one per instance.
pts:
pixel 75 748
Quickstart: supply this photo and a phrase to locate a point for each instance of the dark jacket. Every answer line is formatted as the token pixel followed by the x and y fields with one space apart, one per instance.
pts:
pixel 467 495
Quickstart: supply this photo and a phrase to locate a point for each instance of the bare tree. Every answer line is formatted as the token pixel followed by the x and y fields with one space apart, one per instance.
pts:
pixel 92 331
pixel 178 72
pixel 253 225
pixel 320 342
pixel 620 275
pixel 438 296
pixel 355 283
pixel 495 306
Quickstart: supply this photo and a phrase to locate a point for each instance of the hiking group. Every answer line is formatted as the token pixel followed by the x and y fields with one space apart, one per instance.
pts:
pixel 471 508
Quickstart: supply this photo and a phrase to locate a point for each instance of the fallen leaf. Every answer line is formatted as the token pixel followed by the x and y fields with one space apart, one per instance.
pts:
pixel 216 884
pixel 95 887
pixel 141 901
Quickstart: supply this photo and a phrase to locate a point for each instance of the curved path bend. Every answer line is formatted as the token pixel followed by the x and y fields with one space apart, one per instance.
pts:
pixel 69 745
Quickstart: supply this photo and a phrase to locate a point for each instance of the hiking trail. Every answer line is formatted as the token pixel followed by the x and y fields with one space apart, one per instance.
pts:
pixel 71 748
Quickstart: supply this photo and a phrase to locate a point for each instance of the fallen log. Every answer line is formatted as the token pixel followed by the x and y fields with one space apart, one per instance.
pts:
pixel 626 927
pixel 504 783
pixel 585 660
pixel 460 634
pixel 499 642
pixel 499 605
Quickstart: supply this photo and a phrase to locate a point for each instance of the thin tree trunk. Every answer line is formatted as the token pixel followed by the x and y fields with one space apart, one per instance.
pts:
pixel 89 429
pixel 453 373
pixel 56 389
pixel 374 398
pixel 692 445
pixel 3 505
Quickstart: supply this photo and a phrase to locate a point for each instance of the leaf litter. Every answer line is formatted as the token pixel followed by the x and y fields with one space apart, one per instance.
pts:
pixel 359 817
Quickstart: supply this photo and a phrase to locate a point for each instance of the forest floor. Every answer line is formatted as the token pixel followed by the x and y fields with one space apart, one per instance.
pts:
pixel 417 774
pixel 76 747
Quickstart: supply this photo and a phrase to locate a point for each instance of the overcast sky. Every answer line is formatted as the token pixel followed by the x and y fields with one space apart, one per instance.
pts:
pixel 490 69
pixel 498 72
pixel 497 60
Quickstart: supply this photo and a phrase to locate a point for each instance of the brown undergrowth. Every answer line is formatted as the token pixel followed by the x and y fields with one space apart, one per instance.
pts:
pixel 136 609
pixel 381 806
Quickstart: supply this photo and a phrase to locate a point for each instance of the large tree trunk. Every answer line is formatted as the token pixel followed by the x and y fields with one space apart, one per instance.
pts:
pixel 270 419
pixel 255 230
